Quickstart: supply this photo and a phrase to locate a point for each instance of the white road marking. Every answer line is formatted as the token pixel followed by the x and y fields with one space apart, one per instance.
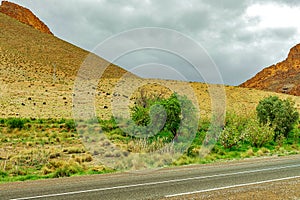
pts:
pixel 154 183
pixel 231 186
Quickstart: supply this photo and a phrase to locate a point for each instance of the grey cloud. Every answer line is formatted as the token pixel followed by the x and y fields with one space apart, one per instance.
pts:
pixel 217 25
pixel 286 2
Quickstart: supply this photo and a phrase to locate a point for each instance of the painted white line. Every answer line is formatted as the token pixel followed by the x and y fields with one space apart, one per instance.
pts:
pixel 155 183
pixel 231 186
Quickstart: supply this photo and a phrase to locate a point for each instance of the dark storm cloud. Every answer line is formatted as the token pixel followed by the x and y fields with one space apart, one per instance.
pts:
pixel 232 39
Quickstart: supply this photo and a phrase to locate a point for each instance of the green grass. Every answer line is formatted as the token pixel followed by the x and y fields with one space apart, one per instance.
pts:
pixel 51 148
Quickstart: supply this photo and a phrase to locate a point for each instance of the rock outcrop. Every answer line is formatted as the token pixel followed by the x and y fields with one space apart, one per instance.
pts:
pixel 23 15
pixel 284 77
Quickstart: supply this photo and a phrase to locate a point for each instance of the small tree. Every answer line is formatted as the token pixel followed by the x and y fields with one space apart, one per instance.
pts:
pixel 280 114
pixel 174 112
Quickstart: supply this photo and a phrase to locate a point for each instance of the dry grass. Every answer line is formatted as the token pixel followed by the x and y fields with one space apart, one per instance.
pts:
pixel 43 148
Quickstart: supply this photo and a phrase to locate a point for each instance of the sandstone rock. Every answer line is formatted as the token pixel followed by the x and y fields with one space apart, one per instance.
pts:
pixel 23 15
pixel 284 77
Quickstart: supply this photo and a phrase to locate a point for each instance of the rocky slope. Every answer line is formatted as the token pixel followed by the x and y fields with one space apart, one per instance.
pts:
pixel 284 77
pixel 23 15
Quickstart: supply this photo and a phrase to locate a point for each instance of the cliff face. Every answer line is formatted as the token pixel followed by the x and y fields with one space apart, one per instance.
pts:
pixel 283 77
pixel 23 15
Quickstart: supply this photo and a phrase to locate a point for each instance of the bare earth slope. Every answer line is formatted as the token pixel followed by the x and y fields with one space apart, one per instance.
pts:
pixel 283 77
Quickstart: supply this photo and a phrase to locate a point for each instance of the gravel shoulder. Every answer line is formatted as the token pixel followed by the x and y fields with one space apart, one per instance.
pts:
pixel 283 190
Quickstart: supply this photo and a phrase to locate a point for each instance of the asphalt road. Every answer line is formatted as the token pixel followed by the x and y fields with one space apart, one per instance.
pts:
pixel 162 183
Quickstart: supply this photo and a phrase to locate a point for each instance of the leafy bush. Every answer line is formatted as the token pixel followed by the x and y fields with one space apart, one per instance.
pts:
pixel 3 174
pixel 175 114
pixel 230 137
pixel 232 133
pixel 280 114
pixel 140 115
pixel 258 134
pixel 15 123
pixel 70 125
pixel 173 109
pixel 109 125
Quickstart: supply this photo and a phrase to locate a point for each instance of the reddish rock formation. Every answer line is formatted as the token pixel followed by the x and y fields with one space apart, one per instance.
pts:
pixel 23 15
pixel 283 77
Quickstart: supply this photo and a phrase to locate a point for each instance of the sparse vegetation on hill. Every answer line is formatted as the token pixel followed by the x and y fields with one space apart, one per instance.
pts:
pixel 38 71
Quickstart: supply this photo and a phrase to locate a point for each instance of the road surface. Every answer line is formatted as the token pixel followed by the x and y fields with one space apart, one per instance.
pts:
pixel 167 183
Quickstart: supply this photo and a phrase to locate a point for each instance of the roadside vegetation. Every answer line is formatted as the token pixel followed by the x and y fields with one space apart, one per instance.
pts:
pixel 52 148
pixel 42 148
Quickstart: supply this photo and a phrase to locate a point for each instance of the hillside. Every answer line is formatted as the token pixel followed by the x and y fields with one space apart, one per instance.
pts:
pixel 37 73
pixel 23 15
pixel 283 77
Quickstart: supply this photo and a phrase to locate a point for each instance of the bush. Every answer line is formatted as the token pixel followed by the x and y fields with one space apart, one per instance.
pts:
pixel 230 137
pixel 15 123
pixel 280 114
pixel 173 110
pixel 140 115
pixel 175 114
pixel 70 125
pixel 60 168
pixel 232 134
pixel 109 125
pixel 3 174
pixel 258 134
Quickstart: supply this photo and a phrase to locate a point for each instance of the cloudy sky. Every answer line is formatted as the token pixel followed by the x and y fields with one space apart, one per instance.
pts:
pixel 241 37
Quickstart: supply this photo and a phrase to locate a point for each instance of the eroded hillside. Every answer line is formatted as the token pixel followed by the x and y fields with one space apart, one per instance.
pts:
pixel 283 77
pixel 23 15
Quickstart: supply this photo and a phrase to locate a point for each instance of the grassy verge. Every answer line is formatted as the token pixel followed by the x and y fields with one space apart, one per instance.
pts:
pixel 241 149
pixel 42 148
pixel 33 149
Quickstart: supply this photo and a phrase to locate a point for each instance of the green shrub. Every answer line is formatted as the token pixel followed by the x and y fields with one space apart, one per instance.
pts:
pixel 280 114
pixel 175 114
pixel 258 134
pixel 3 174
pixel 15 123
pixel 232 134
pixel 109 125
pixel 230 137
pixel 70 125
pixel 140 115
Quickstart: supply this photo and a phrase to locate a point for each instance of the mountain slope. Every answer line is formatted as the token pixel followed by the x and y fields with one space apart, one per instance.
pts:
pixel 283 77
pixel 37 71
pixel 24 48
pixel 23 15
